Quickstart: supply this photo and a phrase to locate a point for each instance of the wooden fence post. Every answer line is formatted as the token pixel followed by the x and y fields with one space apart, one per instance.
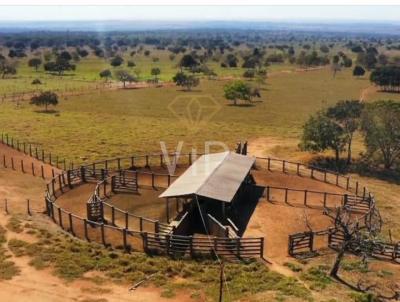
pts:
pixel 42 171
pixel 33 169
pixel 60 218
pixel 6 206
pixel 112 215
pixel 71 227
pixel 305 197
pixel 22 166
pixel 262 248
pixel 28 208
pixel 126 220
pixel 86 230
pixel 124 231
pixel 103 238
pixel 12 163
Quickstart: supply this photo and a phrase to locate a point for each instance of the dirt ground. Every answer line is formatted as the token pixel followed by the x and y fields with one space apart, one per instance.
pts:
pixel 42 286
pixel 274 221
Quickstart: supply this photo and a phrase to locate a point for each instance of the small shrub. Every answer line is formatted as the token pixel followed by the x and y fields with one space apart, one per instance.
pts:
pixel 15 225
pixel 168 293
pixel 17 247
pixel 363 297
pixel 355 266
pixel 317 276
pixel 293 267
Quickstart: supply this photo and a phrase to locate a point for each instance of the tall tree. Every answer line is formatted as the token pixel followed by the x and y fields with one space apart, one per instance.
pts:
pixel 347 114
pixel 380 124
pixel 320 133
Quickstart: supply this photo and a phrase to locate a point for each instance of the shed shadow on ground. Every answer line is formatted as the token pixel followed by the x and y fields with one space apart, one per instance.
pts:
pixel 245 207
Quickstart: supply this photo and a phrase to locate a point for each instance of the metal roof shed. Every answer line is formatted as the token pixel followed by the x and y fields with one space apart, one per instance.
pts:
pixel 216 176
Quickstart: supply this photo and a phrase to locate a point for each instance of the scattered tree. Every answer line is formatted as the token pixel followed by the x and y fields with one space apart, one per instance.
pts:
pixel 124 76
pixel 347 114
pixel 155 72
pixel 187 81
pixel 105 74
pixel 35 63
pixel 387 77
pixel 320 133
pixel 116 61
pixel 7 68
pixel 380 124
pixel 45 99
pixel 358 71
pixel 237 90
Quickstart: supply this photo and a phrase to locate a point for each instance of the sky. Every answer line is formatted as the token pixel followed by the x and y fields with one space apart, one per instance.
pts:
pixel 198 13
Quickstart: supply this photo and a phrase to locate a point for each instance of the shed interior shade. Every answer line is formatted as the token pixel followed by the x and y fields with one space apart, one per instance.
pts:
pixel 217 176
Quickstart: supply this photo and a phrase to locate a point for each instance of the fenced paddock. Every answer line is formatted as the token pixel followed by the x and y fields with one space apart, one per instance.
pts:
pixel 129 231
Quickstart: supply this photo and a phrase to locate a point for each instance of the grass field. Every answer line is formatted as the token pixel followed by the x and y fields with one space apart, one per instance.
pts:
pixel 124 122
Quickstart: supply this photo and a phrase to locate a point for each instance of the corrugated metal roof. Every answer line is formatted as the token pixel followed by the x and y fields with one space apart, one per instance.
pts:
pixel 217 176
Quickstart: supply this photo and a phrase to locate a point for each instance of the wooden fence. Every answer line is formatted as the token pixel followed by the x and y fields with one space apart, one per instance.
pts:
pixel 380 250
pixel 111 232
pixel 323 175
pixel 301 243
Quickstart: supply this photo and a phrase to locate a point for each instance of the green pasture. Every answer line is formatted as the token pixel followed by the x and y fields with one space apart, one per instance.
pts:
pixel 124 122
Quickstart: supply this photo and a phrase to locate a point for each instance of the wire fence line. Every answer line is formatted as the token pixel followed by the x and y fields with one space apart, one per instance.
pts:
pixel 29 206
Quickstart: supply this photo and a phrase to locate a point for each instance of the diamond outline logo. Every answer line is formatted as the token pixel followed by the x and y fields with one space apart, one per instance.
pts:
pixel 194 112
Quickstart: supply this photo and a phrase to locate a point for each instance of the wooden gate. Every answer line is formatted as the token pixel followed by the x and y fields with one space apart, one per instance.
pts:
pixel 95 209
pixel 125 181
pixel 335 239
pixel 301 243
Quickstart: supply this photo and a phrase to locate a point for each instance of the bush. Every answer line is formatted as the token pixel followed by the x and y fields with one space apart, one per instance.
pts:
pixel 36 82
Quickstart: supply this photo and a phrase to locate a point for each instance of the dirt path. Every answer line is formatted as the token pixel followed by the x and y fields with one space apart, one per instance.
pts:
pixel 366 92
